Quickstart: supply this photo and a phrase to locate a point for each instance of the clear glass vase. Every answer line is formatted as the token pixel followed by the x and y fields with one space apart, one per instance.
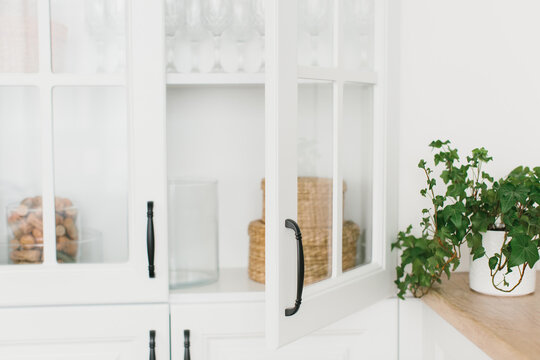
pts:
pixel 193 232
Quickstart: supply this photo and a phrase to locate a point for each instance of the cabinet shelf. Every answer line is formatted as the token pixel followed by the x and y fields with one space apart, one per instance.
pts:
pixel 233 285
pixel 38 79
pixel 175 79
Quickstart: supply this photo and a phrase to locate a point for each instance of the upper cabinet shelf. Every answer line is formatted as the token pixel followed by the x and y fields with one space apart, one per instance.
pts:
pixel 215 79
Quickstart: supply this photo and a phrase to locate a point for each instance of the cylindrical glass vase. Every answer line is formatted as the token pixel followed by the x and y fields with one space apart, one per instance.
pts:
pixel 193 232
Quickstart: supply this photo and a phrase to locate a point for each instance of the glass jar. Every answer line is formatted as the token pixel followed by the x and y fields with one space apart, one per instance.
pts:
pixel 193 232
pixel 25 235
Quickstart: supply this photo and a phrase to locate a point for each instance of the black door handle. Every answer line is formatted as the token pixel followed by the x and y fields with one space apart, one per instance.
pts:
pixel 152 344
pixel 187 355
pixel 150 238
pixel 291 224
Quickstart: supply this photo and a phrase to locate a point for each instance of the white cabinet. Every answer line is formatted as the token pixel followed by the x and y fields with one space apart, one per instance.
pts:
pixel 82 133
pixel 84 333
pixel 423 334
pixel 227 331
pixel 86 150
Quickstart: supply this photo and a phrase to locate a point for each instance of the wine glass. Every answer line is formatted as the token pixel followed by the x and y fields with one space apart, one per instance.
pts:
pixel 96 21
pixel 115 15
pixel 315 14
pixel 199 37
pixel 172 21
pixel 216 18
pixel 241 29
pixel 258 12
pixel 358 16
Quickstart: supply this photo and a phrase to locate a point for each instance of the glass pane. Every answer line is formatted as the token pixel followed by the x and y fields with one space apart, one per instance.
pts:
pixel 21 228
pixel 357 155
pixel 315 32
pixel 18 36
pixel 315 119
pixel 358 34
pixel 91 173
pixel 88 36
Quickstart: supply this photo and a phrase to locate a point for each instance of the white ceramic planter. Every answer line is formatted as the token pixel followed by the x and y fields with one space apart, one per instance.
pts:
pixel 480 276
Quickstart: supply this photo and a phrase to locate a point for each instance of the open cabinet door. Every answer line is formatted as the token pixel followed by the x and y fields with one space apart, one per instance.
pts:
pixel 331 162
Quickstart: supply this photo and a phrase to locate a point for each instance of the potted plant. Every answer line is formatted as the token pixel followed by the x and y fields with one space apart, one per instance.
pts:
pixel 470 205
pixel 511 242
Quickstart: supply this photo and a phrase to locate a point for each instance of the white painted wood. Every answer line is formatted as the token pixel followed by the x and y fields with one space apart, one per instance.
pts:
pixel 424 335
pixel 236 331
pixel 51 283
pixel 52 79
pixel 281 112
pixel 85 333
pixel 343 294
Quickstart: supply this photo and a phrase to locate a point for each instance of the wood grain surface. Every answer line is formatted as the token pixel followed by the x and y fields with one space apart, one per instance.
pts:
pixel 503 327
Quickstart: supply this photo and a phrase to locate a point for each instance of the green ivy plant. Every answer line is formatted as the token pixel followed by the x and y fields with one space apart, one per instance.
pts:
pixel 514 203
pixel 456 215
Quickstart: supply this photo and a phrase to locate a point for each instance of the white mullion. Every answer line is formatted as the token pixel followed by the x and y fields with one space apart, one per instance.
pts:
pixel 337 218
pixel 337 221
pixel 47 157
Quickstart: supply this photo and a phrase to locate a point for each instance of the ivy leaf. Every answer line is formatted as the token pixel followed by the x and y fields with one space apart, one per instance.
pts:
pixel 493 262
pixel 456 190
pixel 422 164
pixel 478 253
pixel 523 250
pixel 454 213
pixel 480 222
pixel 511 195
pixel 437 144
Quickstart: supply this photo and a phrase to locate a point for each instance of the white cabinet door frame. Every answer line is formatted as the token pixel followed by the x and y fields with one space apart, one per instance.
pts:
pixel 344 293
pixel 128 282
pixel 84 332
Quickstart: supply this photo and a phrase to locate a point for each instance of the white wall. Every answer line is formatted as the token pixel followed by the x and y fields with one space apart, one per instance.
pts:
pixel 470 72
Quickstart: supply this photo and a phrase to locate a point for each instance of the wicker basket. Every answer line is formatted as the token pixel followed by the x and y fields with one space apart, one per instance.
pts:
pixel 314 202
pixel 317 250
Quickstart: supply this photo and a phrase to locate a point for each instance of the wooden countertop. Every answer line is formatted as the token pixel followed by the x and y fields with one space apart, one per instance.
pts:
pixel 503 327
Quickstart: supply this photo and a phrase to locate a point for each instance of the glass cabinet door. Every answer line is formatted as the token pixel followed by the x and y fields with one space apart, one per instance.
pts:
pixel 82 165
pixel 330 163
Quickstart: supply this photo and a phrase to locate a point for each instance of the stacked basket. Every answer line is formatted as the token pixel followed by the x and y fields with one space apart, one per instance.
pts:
pixel 315 221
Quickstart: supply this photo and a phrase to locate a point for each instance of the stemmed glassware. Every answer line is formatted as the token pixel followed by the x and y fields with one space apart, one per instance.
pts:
pixel 358 15
pixel 96 21
pixel 237 35
pixel 173 19
pixel 115 13
pixel 315 15
pixel 258 11
pixel 105 20
pixel 216 18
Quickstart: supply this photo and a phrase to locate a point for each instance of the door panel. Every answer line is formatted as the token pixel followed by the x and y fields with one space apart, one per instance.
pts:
pixel 334 123
pixel 83 153
pixel 84 333
pixel 236 331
